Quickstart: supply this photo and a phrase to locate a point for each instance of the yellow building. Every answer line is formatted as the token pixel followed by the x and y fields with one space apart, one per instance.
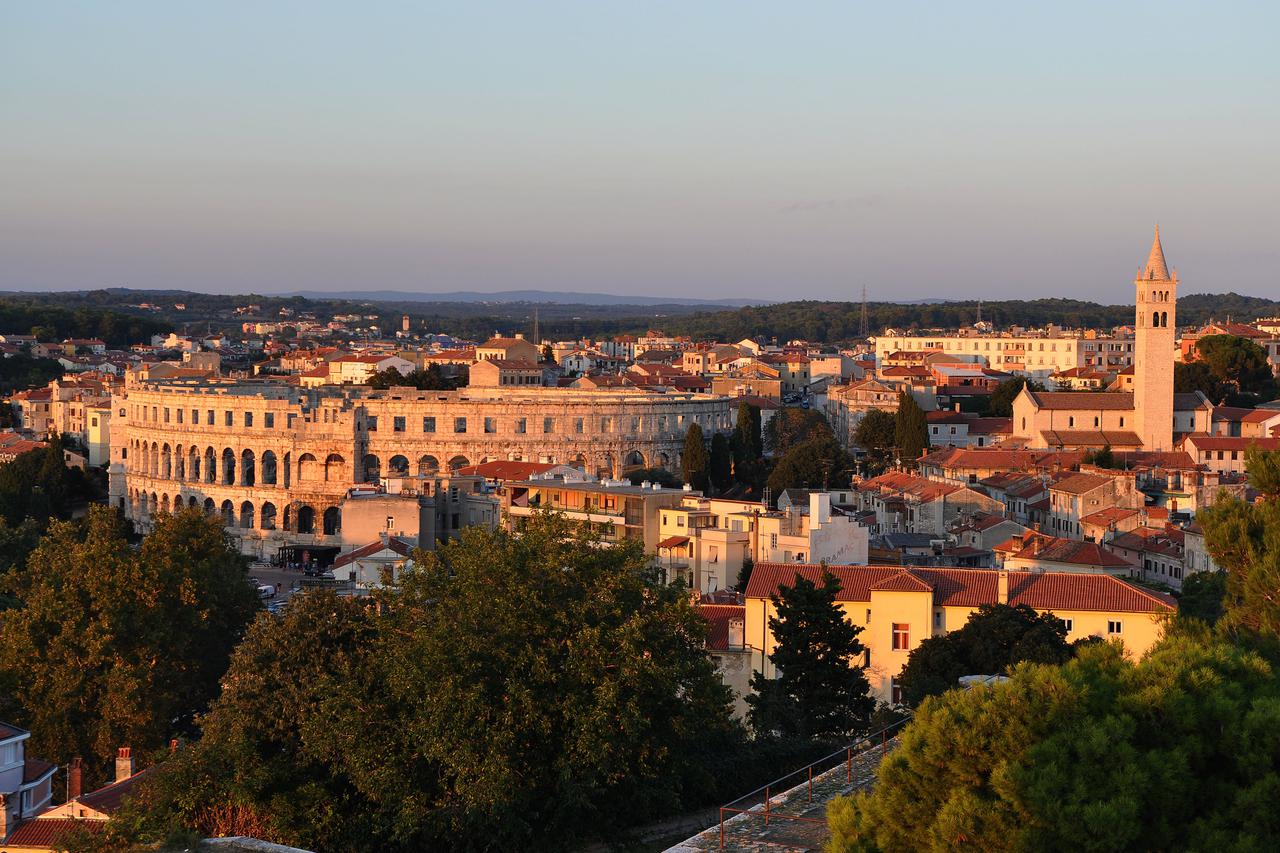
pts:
pixel 898 608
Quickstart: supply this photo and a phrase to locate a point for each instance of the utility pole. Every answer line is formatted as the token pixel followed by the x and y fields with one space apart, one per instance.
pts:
pixel 537 338
pixel 865 325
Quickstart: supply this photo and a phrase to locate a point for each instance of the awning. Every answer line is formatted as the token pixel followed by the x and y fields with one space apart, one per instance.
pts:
pixel 673 541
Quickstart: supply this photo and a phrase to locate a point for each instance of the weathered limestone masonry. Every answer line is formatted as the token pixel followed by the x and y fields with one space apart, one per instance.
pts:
pixel 277 460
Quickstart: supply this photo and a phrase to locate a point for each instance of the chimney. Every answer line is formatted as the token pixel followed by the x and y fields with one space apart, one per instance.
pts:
pixel 75 778
pixel 124 763
pixel 819 509
pixel 6 826
pixel 737 634
pixel 1002 587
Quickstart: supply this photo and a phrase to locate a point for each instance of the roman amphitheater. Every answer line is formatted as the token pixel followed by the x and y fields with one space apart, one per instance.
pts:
pixel 279 462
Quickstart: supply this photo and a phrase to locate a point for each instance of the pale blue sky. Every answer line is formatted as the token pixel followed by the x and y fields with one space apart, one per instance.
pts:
pixel 777 150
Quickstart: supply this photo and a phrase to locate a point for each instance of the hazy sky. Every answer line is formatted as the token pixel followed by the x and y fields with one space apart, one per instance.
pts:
pixel 695 148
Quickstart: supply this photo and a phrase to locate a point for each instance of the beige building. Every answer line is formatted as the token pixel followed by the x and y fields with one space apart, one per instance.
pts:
pixel 899 608
pixel 508 349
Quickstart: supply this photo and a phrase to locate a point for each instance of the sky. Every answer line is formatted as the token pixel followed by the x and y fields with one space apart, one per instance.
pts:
pixel 755 150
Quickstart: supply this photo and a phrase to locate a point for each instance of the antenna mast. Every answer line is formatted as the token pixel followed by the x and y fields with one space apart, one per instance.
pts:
pixel 865 325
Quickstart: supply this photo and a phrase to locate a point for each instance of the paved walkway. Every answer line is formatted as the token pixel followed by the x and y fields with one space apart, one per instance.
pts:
pixel 749 833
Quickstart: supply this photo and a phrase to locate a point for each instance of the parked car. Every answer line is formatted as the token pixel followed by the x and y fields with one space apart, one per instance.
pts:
pixel 266 590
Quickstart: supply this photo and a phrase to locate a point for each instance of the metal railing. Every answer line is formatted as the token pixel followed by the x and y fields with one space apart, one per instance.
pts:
pixel 759 803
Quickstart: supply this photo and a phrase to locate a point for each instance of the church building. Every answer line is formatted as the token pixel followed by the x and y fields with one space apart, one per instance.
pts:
pixel 1139 420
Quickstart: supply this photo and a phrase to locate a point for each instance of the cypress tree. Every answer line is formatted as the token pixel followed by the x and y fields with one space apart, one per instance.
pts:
pixel 720 468
pixel 821 689
pixel 694 460
pixel 912 429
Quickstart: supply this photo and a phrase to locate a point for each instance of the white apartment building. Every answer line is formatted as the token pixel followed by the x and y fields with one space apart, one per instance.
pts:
pixel 1037 354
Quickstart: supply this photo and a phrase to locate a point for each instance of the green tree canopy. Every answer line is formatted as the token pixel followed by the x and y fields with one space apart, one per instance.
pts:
pixel 819 463
pixel 1239 363
pixel 821 689
pixel 121 647
pixel 791 426
pixel 1201 596
pixel 518 692
pixel 876 433
pixel 995 637
pixel 1000 403
pixel 1192 376
pixel 720 464
pixel 1173 752
pixel 694 460
pixel 1243 540
pixel 431 379
pixel 911 429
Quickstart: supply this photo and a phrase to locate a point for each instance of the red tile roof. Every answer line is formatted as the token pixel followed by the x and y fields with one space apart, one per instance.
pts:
pixel 48 832
pixel 502 469
pixel 1232 442
pixel 36 768
pixel 903 581
pixel 974 587
pixel 395 544
pixel 718 617
pixel 109 798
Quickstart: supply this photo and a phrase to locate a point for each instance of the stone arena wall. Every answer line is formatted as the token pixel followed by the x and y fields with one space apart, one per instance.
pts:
pixel 277 460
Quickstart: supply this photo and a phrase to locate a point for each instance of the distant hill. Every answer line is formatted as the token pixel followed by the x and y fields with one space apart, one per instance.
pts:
pixel 559 297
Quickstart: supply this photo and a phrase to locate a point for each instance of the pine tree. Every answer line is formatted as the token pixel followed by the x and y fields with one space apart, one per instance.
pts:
pixel 720 468
pixel 694 461
pixel 912 429
pixel 821 689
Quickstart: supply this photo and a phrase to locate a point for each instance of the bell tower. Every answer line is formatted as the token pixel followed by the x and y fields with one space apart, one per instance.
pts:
pixel 1155 325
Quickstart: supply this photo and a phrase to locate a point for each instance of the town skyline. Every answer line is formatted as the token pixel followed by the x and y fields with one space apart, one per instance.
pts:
pixel 718 152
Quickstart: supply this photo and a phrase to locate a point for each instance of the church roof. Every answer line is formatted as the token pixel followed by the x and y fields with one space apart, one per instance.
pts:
pixel 1156 269
pixel 1092 401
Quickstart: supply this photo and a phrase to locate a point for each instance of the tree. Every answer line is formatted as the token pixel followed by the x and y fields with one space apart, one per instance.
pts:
pixel 114 646
pixel 548 354
pixel 820 689
pixel 789 427
pixel 876 433
pixel 744 574
pixel 1000 403
pixel 1192 376
pixel 1241 537
pixel 994 638
pixel 747 433
pixel 694 461
pixel 431 379
pixel 517 692
pixel 819 463
pixel 661 476
pixel 1036 763
pixel 720 465
pixel 1103 458
pixel 911 429
pixel 39 485
pixel 1240 364
pixel 1202 596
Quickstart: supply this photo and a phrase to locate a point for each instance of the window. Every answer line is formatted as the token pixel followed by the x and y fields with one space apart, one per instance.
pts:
pixel 1071 422
pixel 1114 626
pixel 209 419
pixel 490 425
pixel 248 419
pixel 397 424
pixel 9 754
pixel 1069 624
pixel 428 424
pixel 269 420
pixel 937 618
pixel 228 419
pixel 895 692
pixel 577 425
pixel 195 416
pixel 901 636
pixel 548 425
pixel 459 424
pixel 521 426
pixel 373 423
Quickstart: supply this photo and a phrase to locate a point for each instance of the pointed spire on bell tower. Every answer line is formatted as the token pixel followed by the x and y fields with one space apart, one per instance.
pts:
pixel 1156 269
